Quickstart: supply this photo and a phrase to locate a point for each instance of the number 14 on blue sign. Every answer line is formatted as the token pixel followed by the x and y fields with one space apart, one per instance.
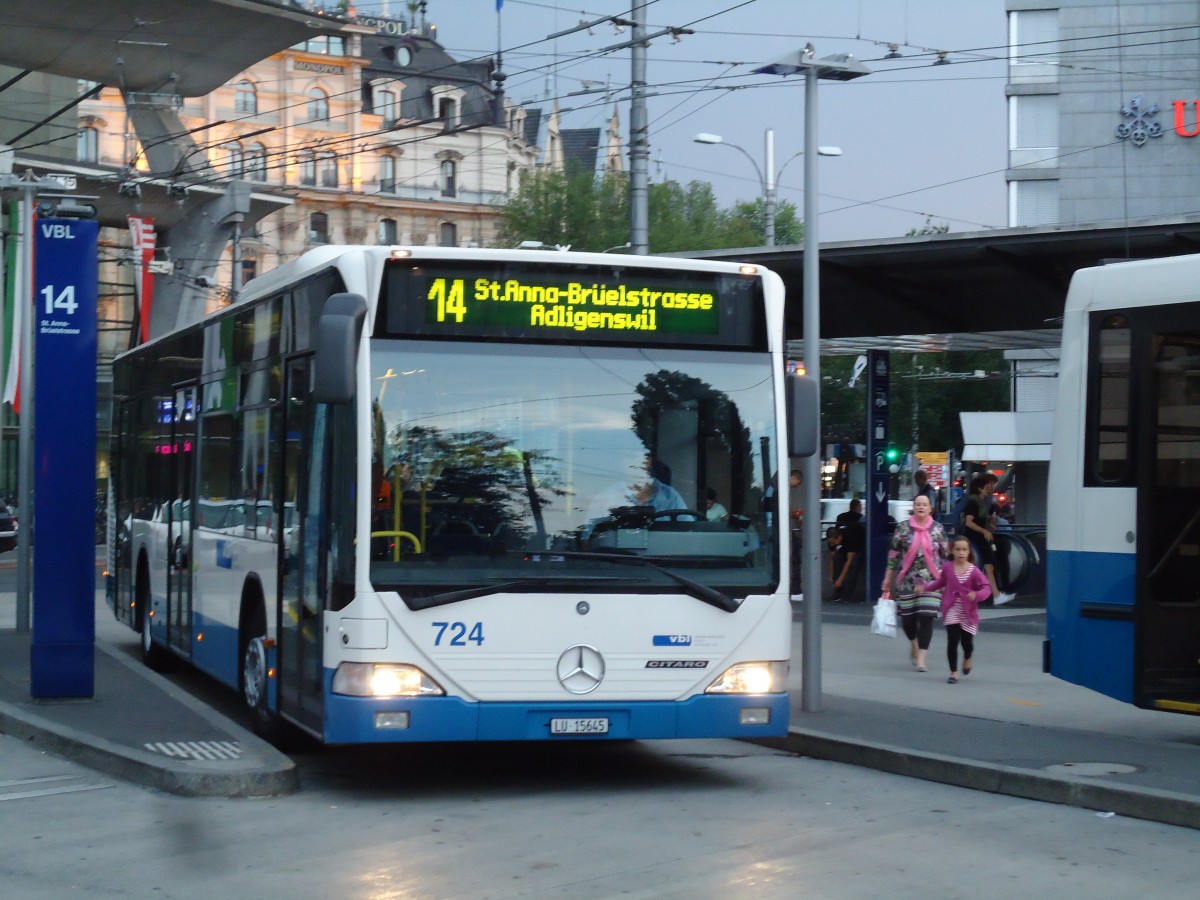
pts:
pixel 60 301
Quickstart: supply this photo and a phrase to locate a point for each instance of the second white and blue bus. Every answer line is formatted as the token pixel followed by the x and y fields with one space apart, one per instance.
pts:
pixel 1123 540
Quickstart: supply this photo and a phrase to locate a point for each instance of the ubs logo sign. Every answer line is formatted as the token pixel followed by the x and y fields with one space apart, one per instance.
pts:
pixel 1138 127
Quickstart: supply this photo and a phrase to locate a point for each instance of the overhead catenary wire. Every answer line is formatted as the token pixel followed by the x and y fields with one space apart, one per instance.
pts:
pixel 697 86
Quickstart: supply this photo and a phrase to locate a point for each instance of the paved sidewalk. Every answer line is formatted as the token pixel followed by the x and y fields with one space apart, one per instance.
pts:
pixel 1007 728
pixel 138 726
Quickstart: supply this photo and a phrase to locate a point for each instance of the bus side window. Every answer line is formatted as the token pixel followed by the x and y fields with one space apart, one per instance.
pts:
pixel 1108 400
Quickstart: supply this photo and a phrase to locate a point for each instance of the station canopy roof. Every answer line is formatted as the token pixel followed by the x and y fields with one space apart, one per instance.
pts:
pixel 985 290
pixel 189 47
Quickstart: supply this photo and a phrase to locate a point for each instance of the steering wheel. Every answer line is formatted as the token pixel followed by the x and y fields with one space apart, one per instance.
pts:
pixel 675 515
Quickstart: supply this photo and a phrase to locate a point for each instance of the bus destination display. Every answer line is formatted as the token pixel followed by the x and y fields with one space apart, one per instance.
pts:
pixel 619 304
pixel 575 305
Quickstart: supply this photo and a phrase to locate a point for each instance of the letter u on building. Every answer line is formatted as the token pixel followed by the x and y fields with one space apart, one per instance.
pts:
pixel 1180 128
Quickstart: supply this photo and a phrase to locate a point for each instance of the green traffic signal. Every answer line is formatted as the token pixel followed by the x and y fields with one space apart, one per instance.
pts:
pixel 892 454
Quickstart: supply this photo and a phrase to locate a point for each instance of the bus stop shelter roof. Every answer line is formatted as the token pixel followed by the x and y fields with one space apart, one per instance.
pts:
pixel 188 47
pixel 985 290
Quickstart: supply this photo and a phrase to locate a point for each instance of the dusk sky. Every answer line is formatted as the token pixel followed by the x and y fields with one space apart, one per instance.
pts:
pixel 919 141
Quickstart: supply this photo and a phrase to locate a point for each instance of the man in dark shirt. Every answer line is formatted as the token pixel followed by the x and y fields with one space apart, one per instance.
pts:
pixel 924 488
pixel 846 546
pixel 853 514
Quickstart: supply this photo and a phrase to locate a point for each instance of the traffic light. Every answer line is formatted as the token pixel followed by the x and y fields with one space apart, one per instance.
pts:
pixel 891 455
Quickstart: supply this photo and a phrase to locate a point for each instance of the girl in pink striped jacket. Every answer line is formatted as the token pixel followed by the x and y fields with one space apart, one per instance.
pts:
pixel 963 588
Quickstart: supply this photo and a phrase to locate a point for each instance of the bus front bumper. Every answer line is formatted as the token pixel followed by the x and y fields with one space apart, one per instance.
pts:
pixel 365 720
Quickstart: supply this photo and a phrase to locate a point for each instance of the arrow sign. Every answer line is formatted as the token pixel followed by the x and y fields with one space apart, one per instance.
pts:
pixel 860 366
pixel 878 484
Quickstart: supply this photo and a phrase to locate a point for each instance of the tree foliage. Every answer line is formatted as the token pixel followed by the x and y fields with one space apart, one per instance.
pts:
pixel 928 228
pixel 560 208
pixel 939 386
pixel 788 227
pixel 590 212
pixel 477 476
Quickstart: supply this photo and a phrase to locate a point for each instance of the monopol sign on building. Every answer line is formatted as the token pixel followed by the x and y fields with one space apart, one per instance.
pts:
pixel 62 658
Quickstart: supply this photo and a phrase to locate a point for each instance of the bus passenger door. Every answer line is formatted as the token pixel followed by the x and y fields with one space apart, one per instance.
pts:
pixel 1167 655
pixel 179 533
pixel 303 545
pixel 127 507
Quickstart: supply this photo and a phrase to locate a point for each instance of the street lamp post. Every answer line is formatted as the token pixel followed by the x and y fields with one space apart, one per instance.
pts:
pixel 839 67
pixel 768 177
pixel 770 183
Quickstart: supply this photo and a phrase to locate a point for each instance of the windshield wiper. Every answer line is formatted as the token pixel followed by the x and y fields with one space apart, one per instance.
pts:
pixel 701 592
pixel 482 590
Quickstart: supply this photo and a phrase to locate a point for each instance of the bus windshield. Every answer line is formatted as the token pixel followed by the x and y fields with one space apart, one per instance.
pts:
pixel 552 465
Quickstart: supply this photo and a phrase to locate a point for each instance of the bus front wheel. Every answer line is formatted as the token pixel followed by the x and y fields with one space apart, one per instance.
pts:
pixel 255 677
pixel 154 656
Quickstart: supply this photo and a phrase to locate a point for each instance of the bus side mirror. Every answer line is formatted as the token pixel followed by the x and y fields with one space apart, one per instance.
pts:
pixel 338 334
pixel 803 416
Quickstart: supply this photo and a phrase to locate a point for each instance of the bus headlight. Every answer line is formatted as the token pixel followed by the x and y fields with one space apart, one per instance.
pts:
pixel 383 680
pixel 751 678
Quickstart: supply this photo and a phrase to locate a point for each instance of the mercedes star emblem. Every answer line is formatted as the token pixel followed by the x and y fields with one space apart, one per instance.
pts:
pixel 581 669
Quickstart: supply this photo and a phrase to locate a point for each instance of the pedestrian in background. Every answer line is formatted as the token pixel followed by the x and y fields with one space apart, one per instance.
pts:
pixel 918 551
pixel 976 525
pixel 923 488
pixel 963 587
pixel 795 521
pixel 846 543
pixel 853 514
pixel 796 497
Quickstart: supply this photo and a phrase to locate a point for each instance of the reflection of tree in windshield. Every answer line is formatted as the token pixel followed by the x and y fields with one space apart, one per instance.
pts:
pixel 721 442
pixel 477 477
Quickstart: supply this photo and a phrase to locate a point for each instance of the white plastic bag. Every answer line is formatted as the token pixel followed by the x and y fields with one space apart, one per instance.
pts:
pixel 884 620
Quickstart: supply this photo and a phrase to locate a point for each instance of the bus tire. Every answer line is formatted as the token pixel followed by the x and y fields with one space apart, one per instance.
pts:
pixel 253 678
pixel 154 656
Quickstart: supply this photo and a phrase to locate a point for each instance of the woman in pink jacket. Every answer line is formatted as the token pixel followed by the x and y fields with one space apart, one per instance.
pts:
pixel 963 587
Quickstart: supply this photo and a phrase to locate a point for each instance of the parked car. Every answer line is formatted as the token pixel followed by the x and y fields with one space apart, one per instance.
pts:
pixel 8 527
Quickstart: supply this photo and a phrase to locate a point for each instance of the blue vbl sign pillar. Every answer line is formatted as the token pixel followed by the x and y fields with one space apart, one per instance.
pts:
pixel 878 473
pixel 62 658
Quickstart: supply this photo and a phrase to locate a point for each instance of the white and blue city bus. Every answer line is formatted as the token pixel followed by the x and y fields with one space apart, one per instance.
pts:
pixel 430 494
pixel 1123 540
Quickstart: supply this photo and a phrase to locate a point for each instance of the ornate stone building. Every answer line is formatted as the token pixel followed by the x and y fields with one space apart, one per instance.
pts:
pixel 377 136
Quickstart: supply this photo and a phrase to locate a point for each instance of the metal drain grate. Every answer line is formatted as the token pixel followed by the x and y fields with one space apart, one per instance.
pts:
pixel 207 750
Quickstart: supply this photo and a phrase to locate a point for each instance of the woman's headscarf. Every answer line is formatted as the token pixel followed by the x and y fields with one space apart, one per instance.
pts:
pixel 919 542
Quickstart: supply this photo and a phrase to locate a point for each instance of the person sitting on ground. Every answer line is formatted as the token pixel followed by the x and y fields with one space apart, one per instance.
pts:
pixel 846 543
